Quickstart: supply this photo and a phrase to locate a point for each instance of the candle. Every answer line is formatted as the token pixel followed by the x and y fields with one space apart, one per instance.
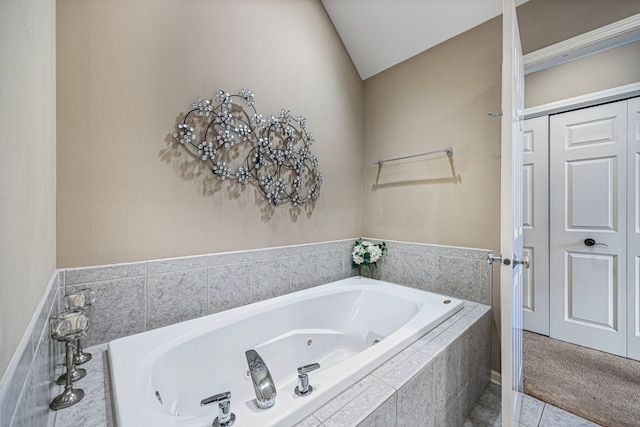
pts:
pixel 68 323
pixel 74 300
pixel 89 295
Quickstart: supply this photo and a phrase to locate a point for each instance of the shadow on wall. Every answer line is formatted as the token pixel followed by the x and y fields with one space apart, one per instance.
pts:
pixel 191 168
pixel 453 179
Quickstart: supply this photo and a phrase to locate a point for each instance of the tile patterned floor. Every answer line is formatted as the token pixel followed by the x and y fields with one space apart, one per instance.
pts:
pixel 535 413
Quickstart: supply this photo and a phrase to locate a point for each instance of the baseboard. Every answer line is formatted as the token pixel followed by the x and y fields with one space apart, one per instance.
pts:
pixel 496 378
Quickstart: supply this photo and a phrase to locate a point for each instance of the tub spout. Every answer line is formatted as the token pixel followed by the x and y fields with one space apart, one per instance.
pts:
pixel 262 382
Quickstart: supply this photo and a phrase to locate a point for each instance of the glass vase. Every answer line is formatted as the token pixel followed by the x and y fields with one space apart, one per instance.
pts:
pixel 365 270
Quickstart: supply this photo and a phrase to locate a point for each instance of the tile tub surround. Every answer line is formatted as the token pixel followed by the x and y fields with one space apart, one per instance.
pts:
pixel 138 296
pixel 458 272
pixel 433 382
pixel 141 296
pixel 26 388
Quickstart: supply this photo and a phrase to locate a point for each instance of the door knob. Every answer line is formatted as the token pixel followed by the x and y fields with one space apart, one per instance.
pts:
pixel 590 242
pixel 526 262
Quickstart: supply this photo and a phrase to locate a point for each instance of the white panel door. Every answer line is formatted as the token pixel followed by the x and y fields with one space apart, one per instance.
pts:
pixel 511 215
pixel 535 289
pixel 633 224
pixel 588 227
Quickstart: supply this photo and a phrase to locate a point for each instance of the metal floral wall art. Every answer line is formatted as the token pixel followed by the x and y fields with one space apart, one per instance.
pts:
pixel 271 152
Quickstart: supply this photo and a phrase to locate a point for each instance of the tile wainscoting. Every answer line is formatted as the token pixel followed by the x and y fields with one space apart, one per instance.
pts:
pixel 27 386
pixel 458 272
pixel 139 296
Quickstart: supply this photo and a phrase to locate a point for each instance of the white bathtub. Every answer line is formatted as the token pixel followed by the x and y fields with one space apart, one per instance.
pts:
pixel 335 325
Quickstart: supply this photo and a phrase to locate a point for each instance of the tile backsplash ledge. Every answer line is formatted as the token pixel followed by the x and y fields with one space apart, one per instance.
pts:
pixel 139 296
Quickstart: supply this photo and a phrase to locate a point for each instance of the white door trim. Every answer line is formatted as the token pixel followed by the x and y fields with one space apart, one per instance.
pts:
pixel 608 95
pixel 633 229
pixel 511 227
pixel 616 34
pixel 535 295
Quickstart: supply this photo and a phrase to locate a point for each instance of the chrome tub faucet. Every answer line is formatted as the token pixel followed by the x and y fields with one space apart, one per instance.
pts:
pixel 262 382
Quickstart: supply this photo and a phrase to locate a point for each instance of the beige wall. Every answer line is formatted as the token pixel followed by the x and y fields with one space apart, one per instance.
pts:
pixel 546 22
pixel 126 70
pixel 437 99
pixel 431 101
pixel 441 98
pixel 27 164
pixel 604 70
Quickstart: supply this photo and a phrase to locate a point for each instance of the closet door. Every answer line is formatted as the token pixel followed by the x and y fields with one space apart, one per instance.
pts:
pixel 535 290
pixel 588 232
pixel 633 244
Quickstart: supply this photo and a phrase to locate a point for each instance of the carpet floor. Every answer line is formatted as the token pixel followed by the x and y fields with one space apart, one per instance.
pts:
pixel 597 386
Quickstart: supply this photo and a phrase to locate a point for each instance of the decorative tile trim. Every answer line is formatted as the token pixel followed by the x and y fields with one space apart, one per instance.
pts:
pixel 363 406
pixel 76 276
pixel 175 264
pixel 336 405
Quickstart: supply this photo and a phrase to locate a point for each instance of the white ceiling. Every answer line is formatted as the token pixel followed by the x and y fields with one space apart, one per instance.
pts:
pixel 379 34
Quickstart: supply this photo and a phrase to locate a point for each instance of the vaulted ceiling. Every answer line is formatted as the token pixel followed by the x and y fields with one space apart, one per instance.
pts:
pixel 379 34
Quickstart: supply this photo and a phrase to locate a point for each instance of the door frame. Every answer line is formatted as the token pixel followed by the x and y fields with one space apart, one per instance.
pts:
pixel 607 37
pixel 511 224
pixel 583 101
pixel 616 34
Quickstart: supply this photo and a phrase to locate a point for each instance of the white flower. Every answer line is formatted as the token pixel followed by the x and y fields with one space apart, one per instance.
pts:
pixel 375 253
pixel 365 252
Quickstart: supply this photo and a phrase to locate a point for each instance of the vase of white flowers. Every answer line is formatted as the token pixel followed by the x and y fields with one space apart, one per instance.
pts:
pixel 365 255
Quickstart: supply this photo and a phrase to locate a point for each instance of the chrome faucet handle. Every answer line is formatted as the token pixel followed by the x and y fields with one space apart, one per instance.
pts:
pixel 303 388
pixel 308 368
pixel 225 417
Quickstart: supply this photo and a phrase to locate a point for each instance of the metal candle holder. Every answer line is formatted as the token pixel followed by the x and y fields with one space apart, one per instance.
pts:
pixel 80 299
pixel 67 326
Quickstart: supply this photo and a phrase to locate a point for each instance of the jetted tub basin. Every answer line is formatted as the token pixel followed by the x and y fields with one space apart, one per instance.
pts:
pixel 350 327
